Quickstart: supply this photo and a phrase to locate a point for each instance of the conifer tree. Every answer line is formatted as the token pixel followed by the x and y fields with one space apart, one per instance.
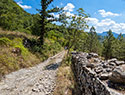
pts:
pixel 46 17
pixel 119 48
pixel 108 45
pixel 92 42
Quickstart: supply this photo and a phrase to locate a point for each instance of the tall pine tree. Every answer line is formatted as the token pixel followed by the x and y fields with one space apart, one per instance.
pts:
pixel 46 17
pixel 93 44
pixel 108 45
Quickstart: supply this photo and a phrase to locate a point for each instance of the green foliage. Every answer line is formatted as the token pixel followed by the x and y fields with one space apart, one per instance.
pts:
pixel 18 43
pixel 108 45
pixel 35 28
pixel 74 27
pixel 5 41
pixel 92 43
pixel 119 48
pixel 68 60
pixel 50 48
pixel 46 17
pixel 25 31
pixel 13 17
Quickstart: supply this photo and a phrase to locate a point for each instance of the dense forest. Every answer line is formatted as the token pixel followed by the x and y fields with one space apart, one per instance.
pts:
pixel 50 37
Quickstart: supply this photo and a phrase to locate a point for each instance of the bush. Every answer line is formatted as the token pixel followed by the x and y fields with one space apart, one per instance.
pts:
pixel 24 31
pixel 18 43
pixel 5 41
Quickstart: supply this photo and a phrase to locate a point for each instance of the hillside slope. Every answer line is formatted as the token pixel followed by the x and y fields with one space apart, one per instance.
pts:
pixel 38 80
pixel 20 50
pixel 13 54
pixel 13 17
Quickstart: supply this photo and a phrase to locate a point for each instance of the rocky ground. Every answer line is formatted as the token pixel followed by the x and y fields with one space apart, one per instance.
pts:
pixel 38 80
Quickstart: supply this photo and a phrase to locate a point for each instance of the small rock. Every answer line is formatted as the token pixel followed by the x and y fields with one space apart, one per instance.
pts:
pixel 34 90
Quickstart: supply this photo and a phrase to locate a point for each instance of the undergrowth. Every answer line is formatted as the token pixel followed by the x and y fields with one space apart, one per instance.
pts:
pixel 14 55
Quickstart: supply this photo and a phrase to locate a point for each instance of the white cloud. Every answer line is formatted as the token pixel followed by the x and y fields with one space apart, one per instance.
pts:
pixel 106 24
pixel 69 14
pixel 69 7
pixel 106 14
pixel 24 6
pixel 93 21
pixel 55 15
pixel 68 10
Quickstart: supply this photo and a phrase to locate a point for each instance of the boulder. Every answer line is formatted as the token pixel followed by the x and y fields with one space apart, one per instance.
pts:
pixel 90 65
pixel 105 76
pixel 118 75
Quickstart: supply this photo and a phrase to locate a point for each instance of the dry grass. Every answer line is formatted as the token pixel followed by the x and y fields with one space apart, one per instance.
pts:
pixel 10 62
pixel 65 82
pixel 16 34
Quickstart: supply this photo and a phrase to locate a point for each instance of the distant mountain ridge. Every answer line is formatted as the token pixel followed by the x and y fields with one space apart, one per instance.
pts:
pixel 105 33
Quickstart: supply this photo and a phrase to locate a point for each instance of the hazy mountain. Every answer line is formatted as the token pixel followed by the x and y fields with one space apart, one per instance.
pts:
pixel 105 33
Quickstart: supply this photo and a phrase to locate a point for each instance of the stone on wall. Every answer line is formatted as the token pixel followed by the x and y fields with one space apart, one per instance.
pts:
pixel 94 77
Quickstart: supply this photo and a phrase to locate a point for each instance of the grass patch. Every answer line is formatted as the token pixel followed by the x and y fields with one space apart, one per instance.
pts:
pixel 5 41
pixel 16 34
pixel 65 81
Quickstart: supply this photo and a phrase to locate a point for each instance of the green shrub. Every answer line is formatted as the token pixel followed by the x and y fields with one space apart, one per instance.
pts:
pixel 36 48
pixel 5 41
pixel 24 31
pixel 18 43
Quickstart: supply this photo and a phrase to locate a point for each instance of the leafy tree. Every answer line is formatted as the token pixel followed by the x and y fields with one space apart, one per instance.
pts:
pixel 75 25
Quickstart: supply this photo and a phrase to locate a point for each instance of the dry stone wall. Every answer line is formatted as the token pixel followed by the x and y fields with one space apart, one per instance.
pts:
pixel 94 76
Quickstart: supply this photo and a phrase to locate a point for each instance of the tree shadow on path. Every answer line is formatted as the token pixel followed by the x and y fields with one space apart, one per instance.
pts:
pixel 52 66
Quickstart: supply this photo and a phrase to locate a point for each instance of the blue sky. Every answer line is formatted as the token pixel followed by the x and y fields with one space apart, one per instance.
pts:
pixel 104 14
